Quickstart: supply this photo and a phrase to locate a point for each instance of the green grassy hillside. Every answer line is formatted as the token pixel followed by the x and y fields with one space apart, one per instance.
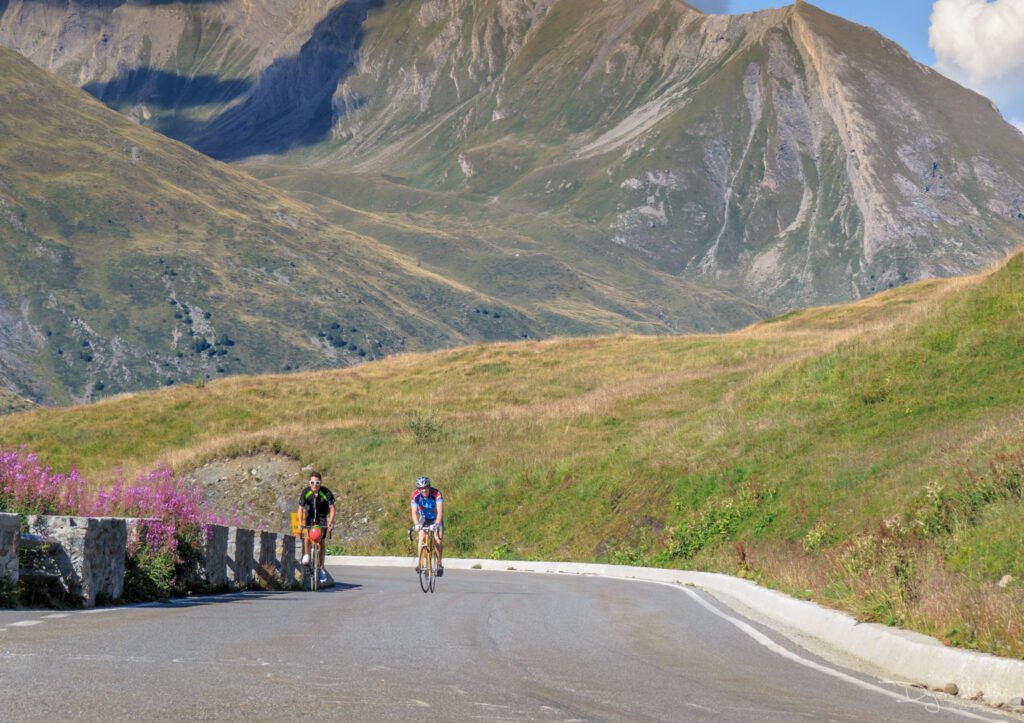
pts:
pixel 869 455
pixel 128 261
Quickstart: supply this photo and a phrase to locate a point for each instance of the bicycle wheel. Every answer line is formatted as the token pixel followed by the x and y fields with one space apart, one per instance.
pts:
pixel 314 567
pixel 435 562
pixel 424 567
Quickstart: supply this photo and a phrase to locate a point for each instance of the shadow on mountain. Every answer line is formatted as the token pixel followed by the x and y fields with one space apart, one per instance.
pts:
pixel 166 90
pixel 112 3
pixel 290 105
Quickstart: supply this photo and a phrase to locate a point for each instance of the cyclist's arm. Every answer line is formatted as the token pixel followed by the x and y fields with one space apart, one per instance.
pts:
pixel 330 518
pixel 302 518
pixel 415 514
pixel 440 513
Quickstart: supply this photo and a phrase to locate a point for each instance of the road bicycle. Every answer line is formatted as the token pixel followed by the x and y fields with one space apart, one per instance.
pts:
pixel 312 569
pixel 429 559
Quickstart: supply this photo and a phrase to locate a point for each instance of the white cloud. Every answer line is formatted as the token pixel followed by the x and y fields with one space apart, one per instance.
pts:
pixel 983 40
pixel 980 43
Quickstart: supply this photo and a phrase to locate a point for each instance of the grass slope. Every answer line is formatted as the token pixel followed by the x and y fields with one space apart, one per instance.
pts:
pixel 128 261
pixel 841 453
pixel 10 403
pixel 562 271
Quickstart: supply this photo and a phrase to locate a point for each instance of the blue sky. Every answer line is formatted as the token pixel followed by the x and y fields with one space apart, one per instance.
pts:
pixel 978 43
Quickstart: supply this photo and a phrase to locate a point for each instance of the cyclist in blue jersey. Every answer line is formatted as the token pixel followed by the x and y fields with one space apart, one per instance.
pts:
pixel 427 507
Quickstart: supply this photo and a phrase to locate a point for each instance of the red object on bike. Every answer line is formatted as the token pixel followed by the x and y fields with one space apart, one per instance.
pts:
pixel 314 534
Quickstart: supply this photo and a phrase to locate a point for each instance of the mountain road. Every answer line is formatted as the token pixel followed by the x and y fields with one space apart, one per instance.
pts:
pixel 486 646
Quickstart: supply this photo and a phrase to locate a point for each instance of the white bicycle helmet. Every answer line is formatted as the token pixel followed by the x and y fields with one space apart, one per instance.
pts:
pixel 422 483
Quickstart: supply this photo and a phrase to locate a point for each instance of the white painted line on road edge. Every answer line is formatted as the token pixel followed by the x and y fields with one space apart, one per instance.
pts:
pixel 790 655
pixel 25 623
pixel 56 615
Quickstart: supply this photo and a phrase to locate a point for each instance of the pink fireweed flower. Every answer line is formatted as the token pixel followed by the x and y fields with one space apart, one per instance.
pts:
pixel 170 507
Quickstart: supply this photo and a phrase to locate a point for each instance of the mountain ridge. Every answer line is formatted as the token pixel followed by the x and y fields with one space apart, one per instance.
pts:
pixel 817 198
pixel 635 167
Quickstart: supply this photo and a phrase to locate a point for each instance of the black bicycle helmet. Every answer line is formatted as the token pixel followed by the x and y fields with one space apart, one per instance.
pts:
pixel 422 483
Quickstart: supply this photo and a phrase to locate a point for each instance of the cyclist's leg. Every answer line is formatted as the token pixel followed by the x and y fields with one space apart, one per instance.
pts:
pixel 422 543
pixel 322 557
pixel 422 535
pixel 438 534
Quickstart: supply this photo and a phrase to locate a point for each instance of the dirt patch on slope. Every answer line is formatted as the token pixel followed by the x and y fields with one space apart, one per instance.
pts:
pixel 263 490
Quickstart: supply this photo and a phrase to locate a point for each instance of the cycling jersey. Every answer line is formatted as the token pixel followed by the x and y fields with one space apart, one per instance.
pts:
pixel 317 504
pixel 424 504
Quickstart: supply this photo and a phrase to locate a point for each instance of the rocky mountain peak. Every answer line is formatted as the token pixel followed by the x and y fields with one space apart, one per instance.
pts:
pixel 605 166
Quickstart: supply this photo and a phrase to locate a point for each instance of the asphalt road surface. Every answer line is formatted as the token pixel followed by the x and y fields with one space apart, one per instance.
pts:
pixel 485 646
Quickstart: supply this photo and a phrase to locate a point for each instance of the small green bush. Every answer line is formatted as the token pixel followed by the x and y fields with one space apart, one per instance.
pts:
pixel 8 594
pixel 424 427
pixel 149 575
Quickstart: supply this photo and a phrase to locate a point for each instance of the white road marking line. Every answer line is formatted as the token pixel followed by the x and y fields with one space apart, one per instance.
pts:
pixel 25 623
pixel 56 615
pixel 779 650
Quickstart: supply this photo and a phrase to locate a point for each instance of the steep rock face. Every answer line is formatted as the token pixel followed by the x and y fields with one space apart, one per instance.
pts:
pixel 188 68
pixel 786 156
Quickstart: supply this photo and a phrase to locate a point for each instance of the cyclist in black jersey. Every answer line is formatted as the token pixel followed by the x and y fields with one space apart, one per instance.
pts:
pixel 316 507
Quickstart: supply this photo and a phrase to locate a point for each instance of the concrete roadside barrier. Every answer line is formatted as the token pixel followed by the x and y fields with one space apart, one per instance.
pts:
pixel 90 554
pixel 903 655
pixel 10 528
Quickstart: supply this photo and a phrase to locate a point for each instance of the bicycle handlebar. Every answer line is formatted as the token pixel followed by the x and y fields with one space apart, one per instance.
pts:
pixel 304 528
pixel 423 528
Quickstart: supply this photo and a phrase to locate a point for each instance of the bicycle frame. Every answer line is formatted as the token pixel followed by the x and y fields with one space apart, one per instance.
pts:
pixel 428 560
pixel 313 568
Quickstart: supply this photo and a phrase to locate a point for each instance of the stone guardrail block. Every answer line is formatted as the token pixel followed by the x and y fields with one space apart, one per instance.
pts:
pixel 92 554
pixel 288 552
pixel 277 562
pixel 241 556
pixel 267 570
pixel 10 528
pixel 215 558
